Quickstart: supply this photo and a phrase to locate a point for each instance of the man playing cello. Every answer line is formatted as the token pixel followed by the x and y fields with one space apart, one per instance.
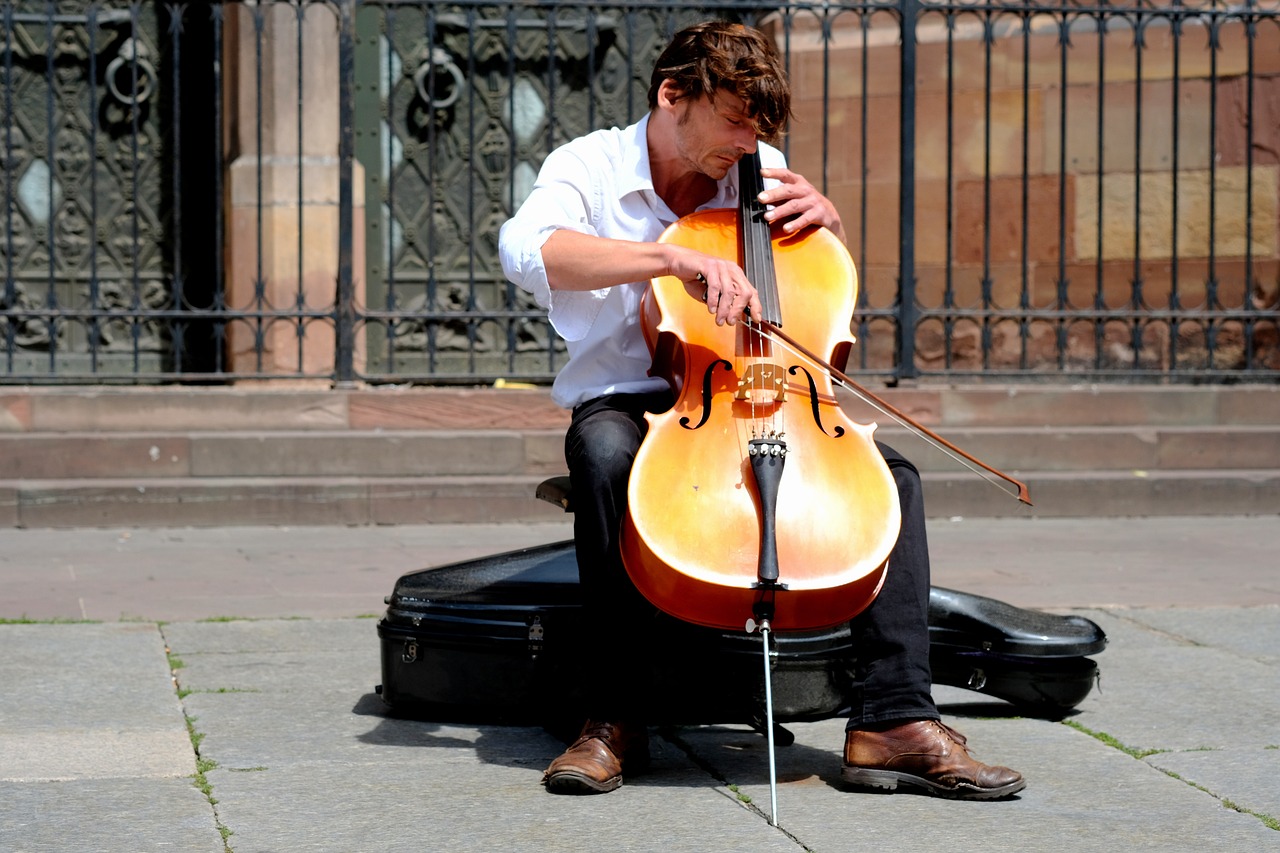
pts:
pixel 584 244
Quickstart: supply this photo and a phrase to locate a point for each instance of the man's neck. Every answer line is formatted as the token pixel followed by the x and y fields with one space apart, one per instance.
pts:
pixel 683 188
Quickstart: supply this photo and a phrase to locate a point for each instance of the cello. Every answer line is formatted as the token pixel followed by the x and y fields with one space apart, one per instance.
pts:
pixel 754 493
pixel 716 527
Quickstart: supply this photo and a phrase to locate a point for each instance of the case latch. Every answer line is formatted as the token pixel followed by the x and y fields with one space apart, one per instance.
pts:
pixel 410 653
pixel 536 633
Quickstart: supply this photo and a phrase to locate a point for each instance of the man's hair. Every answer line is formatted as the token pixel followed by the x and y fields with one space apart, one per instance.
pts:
pixel 719 56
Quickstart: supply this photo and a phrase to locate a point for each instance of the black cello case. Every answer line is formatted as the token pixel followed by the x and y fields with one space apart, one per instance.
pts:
pixel 499 639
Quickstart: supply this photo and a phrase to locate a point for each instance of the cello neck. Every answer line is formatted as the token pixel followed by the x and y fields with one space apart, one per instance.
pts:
pixel 753 230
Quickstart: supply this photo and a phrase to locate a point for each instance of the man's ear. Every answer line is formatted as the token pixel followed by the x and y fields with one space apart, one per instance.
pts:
pixel 668 93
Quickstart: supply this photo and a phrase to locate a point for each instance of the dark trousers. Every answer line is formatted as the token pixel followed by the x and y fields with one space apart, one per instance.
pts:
pixel 891 678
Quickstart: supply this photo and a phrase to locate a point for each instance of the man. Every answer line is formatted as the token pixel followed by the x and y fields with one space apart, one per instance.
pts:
pixel 583 244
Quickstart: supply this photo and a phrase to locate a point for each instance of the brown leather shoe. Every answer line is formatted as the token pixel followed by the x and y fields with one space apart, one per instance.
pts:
pixel 593 764
pixel 924 754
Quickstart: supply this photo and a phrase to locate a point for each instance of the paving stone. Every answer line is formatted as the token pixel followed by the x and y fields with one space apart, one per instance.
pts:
pixel 1096 796
pixel 418 804
pixel 87 701
pixel 1251 632
pixel 107 816
pixel 1245 777
pixel 1158 690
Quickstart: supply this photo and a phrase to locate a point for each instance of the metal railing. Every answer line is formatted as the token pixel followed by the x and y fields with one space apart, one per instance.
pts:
pixel 201 192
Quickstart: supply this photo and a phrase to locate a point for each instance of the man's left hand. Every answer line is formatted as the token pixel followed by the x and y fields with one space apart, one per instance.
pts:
pixel 798 204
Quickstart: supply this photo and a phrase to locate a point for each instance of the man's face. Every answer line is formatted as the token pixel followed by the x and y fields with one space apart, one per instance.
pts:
pixel 712 133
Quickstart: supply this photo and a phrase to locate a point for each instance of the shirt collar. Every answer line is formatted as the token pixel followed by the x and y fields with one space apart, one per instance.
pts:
pixel 636 174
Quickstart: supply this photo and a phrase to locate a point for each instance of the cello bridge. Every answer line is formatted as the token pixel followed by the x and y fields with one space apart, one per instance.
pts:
pixel 765 377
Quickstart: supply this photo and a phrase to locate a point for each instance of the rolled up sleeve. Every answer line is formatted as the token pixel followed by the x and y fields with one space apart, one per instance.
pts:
pixel 557 202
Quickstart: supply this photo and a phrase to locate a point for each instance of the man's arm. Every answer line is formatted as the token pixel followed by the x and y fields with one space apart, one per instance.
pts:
pixel 577 261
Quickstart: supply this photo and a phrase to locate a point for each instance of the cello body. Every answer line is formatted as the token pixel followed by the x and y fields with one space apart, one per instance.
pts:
pixel 697 522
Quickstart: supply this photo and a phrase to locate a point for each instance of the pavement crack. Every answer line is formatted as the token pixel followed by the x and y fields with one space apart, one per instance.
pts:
pixel 672 736
pixel 1162 632
pixel 203 763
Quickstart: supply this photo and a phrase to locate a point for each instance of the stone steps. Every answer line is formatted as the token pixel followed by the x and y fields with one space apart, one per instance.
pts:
pixel 207 457
pixel 256 501
pixel 427 453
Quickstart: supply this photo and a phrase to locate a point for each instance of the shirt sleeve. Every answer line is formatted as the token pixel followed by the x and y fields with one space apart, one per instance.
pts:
pixel 561 199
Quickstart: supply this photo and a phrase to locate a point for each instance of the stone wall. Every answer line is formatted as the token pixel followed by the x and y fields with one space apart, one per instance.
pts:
pixel 1065 173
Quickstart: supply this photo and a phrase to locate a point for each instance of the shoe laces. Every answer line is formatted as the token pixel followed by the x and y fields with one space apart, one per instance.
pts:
pixel 618 737
pixel 955 736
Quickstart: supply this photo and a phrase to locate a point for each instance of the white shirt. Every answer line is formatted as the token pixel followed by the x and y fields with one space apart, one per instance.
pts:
pixel 599 184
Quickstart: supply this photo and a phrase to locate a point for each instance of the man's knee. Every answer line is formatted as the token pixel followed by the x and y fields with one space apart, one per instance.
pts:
pixel 604 450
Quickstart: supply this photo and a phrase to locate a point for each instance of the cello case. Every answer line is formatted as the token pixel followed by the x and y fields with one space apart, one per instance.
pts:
pixel 499 639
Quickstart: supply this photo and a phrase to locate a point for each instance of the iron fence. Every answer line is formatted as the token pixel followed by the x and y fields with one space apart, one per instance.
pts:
pixel 198 192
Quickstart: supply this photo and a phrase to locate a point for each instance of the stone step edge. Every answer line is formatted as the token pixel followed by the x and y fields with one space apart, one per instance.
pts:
pixel 457 480
pixel 510 432
pixel 353 501
pixel 272 407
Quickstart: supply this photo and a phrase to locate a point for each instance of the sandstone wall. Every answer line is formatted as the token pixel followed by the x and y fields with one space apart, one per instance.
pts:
pixel 1096 178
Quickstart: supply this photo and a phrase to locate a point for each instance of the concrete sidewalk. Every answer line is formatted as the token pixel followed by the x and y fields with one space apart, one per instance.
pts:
pixel 258 648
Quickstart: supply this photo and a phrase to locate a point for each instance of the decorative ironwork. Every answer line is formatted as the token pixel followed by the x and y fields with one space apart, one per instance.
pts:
pixel 1023 209
pixel 85 220
pixel 470 100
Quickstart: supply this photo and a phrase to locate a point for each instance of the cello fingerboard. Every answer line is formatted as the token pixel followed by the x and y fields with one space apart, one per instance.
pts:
pixel 757 245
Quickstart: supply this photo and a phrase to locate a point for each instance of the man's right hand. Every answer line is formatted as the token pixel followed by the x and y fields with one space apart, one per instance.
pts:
pixel 720 283
pixel 578 261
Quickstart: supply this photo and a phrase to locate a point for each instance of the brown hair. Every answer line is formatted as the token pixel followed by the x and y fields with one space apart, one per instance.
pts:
pixel 721 56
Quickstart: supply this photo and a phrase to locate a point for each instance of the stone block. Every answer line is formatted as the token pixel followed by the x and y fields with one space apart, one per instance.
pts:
pixel 1254 404
pixel 285 67
pixel 835 60
pixel 1239 448
pixel 460 500
pixel 1111 284
pixel 1147 202
pixel 45 456
pixel 1082 405
pixel 924 405
pixel 987 138
pixel 1131 114
pixel 447 408
pixel 1193 59
pixel 933 222
pixel 959 58
pixel 874 241
pixel 194 503
pixel 961 285
pixel 157 409
pixel 994 224
pixel 1248 131
pixel 839 132
pixel 15 412
pixel 878 282
pixel 356 454
pixel 283 191
pixel 1185 282
pixel 544 452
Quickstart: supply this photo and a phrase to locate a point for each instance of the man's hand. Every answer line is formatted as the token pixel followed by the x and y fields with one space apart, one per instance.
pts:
pixel 720 283
pixel 798 204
